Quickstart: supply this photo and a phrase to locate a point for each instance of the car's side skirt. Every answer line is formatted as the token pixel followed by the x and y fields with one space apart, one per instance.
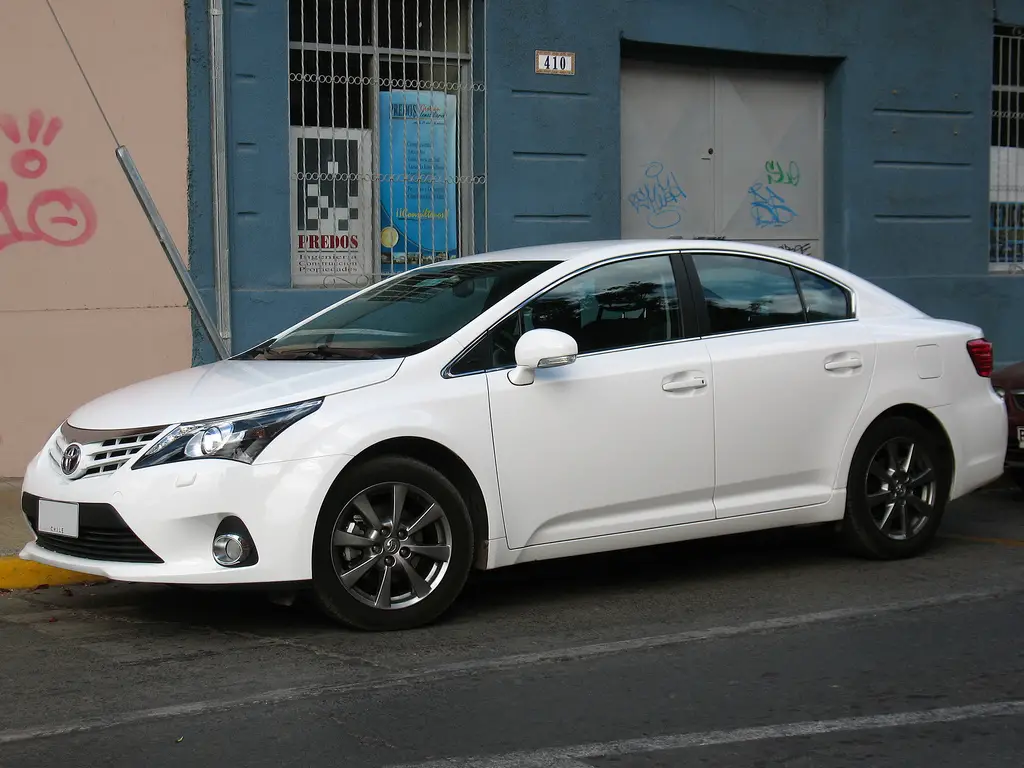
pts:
pixel 499 555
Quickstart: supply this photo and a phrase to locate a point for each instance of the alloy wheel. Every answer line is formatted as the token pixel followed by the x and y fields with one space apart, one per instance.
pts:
pixel 901 488
pixel 391 546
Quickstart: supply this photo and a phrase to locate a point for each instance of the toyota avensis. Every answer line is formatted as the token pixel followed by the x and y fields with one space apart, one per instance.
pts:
pixel 522 405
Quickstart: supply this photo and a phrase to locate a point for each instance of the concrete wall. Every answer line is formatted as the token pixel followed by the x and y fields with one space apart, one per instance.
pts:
pixel 263 301
pixel 256 74
pixel 907 129
pixel 907 137
pixel 88 302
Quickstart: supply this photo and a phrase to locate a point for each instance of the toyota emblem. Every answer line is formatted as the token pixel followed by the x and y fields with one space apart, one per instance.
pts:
pixel 69 461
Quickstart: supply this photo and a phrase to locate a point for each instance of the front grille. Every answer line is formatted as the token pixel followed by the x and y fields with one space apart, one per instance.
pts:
pixel 102 452
pixel 102 535
pixel 1018 400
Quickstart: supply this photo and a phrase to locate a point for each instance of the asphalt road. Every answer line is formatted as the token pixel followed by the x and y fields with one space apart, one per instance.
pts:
pixel 762 650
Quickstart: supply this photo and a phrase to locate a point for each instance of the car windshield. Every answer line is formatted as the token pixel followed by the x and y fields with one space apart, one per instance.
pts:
pixel 405 316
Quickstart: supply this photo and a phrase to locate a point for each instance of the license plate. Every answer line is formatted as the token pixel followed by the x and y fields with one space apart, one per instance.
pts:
pixel 1020 437
pixel 58 518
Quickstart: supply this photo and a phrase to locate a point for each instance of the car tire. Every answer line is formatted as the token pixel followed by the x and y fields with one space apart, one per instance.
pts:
pixel 368 576
pixel 1017 475
pixel 893 511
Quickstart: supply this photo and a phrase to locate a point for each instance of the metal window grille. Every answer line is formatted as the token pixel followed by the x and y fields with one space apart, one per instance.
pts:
pixel 1006 161
pixel 382 95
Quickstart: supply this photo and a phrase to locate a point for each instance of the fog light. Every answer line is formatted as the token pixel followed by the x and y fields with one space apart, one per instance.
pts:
pixel 230 549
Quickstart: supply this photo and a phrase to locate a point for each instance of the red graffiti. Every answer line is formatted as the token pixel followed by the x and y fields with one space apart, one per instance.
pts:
pixel 64 216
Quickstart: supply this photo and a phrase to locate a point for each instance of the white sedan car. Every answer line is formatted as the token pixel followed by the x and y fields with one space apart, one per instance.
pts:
pixel 522 405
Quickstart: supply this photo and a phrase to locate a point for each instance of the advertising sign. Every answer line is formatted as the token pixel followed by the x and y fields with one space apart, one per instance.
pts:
pixel 418 178
pixel 330 211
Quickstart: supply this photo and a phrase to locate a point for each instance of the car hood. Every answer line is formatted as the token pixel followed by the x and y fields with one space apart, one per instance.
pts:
pixel 226 388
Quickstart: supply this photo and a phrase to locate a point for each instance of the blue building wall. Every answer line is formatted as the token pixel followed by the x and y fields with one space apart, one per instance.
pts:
pixel 906 144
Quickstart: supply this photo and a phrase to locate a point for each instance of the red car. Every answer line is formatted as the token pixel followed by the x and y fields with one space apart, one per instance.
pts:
pixel 1009 383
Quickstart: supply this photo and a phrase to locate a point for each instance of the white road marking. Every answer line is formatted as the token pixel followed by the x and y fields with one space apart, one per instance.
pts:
pixel 571 757
pixel 443 672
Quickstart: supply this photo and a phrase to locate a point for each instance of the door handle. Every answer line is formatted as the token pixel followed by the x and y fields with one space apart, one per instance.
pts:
pixel 843 363
pixel 678 385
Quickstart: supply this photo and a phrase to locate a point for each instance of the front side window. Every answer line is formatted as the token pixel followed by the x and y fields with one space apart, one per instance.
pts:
pixel 623 304
pixel 744 293
pixel 404 316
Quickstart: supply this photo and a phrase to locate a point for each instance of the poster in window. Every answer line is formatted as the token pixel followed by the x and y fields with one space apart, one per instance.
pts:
pixel 418 178
pixel 331 207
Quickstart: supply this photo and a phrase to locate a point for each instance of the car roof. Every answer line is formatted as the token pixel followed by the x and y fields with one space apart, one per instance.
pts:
pixel 870 297
pixel 594 251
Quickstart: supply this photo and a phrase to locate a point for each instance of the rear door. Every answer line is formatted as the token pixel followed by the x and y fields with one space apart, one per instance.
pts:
pixel 791 367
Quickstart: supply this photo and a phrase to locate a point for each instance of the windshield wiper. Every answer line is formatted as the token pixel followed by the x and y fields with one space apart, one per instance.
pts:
pixel 323 352
pixel 259 349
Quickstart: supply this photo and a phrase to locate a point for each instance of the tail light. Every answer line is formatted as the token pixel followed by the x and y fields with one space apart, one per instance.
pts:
pixel 980 351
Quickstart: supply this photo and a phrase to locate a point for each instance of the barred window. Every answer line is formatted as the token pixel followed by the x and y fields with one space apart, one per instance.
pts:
pixel 1007 87
pixel 381 106
pixel 1006 163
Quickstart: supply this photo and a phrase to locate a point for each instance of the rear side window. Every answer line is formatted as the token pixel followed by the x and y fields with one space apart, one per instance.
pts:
pixel 743 293
pixel 824 299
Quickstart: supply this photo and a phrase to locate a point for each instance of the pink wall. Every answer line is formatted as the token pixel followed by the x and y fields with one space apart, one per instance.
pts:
pixel 88 302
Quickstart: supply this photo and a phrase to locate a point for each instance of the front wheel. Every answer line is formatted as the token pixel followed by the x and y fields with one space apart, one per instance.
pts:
pixel 393 546
pixel 897 491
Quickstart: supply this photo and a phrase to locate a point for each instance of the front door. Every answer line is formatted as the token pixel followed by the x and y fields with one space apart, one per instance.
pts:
pixel 623 438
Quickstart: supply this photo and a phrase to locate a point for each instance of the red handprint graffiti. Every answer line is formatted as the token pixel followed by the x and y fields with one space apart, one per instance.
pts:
pixel 63 216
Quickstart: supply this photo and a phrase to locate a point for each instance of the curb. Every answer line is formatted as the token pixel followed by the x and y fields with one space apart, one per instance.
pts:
pixel 16 573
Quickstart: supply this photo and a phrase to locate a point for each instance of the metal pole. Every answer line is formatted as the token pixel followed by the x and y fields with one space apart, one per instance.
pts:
pixel 163 234
pixel 222 268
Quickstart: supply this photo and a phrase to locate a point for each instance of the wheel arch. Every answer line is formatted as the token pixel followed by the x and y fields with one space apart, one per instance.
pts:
pixel 916 413
pixel 444 460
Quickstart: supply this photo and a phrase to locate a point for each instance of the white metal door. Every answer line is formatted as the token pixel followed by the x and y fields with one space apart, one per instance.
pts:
pixel 768 158
pixel 722 154
pixel 667 130
pixel 606 445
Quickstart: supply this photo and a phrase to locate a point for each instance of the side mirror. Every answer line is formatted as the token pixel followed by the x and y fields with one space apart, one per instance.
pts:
pixel 541 348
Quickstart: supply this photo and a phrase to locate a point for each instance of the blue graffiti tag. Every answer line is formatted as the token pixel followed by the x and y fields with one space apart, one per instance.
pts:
pixel 769 210
pixel 660 196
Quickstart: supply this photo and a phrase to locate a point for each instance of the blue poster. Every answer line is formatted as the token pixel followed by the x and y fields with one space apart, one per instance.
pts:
pixel 418 166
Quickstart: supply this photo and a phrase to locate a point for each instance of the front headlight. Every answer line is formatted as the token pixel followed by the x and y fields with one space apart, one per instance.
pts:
pixel 238 438
pixel 1000 391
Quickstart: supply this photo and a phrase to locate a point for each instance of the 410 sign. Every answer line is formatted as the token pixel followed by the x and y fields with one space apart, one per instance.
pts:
pixel 555 63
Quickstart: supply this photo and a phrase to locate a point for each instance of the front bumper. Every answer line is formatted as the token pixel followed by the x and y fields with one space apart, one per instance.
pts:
pixel 172 513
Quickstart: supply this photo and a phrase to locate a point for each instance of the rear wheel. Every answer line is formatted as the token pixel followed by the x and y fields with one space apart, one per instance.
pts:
pixel 393 546
pixel 1017 475
pixel 897 491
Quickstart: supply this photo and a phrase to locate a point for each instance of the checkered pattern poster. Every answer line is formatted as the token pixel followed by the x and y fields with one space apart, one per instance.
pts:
pixel 331 213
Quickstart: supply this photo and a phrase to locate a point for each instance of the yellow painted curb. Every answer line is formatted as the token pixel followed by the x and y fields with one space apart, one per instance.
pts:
pixel 16 573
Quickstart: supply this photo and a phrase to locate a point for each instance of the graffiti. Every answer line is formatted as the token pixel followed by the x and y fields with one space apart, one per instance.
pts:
pixel 61 216
pixel 776 175
pixel 659 195
pixel 768 208
pixel 804 248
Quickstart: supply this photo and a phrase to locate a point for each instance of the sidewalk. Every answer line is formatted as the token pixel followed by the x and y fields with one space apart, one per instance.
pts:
pixel 16 573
